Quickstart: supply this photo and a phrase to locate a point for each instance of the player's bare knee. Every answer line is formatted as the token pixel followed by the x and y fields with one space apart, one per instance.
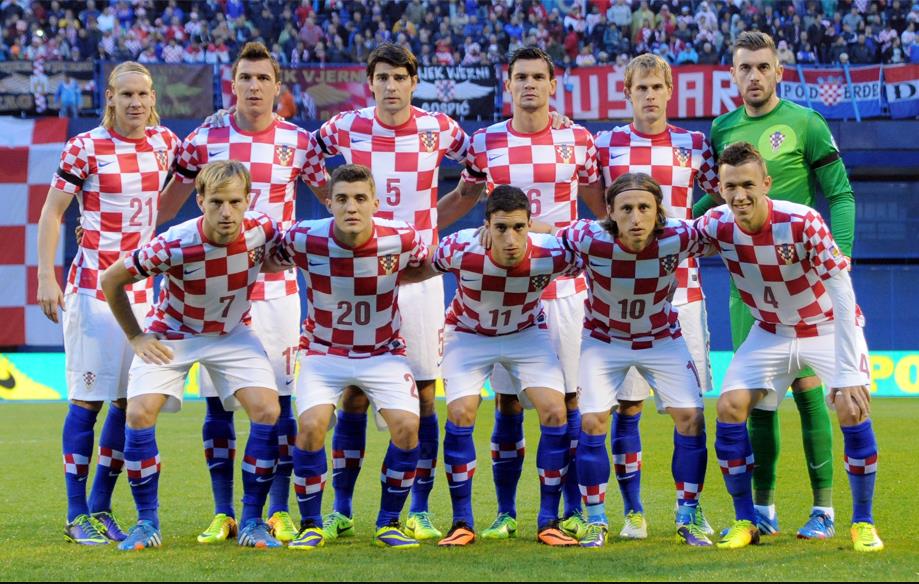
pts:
pixel 805 383
pixel 427 403
pixel 137 417
pixel 354 401
pixel 264 411
pixel 508 405
pixel 121 404
pixel 311 433
pixel 630 408
pixel 404 433
pixel 461 413
pixel 731 409
pixel 553 414
pixel 93 406
pixel 594 424
pixel 688 421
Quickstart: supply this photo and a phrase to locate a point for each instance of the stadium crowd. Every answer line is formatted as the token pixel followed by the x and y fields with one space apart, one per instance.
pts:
pixel 454 32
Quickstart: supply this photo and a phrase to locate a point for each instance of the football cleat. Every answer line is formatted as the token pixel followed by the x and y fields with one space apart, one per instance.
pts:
pixel 634 527
pixel 595 536
pixel 550 534
pixel 282 527
pixel 574 525
pixel 503 527
pixel 741 534
pixel 255 534
pixel 109 526
pixel 765 524
pixel 310 537
pixel 702 523
pixel 818 526
pixel 222 528
pixel 85 531
pixel 419 526
pixel 393 536
pixel 141 536
pixel 459 535
pixel 688 529
pixel 865 538
pixel 336 525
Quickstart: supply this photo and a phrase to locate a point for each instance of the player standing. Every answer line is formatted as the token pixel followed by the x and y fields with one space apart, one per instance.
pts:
pixel 631 261
pixel 211 265
pixel 800 152
pixel 276 153
pixel 790 273
pixel 115 172
pixel 676 159
pixel 551 166
pixel 404 147
pixel 352 263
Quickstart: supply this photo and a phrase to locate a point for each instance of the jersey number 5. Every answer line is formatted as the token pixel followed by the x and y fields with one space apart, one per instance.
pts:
pixel 393 193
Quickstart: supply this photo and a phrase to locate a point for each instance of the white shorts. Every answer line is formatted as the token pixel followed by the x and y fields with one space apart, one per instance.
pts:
pixel 667 366
pixel 386 379
pixel 527 358
pixel 565 317
pixel 694 324
pixel 421 307
pixel 276 323
pixel 97 355
pixel 234 361
pixel 772 362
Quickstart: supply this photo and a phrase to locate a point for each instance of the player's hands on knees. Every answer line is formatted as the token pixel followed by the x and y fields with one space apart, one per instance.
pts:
pixel 220 118
pixel 484 237
pixel 559 121
pixel 149 348
pixel 78 233
pixel 50 297
pixel 852 402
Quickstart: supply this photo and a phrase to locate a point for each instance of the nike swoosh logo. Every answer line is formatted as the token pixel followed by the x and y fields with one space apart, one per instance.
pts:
pixel 456 486
pixel 495 157
pixel 264 479
pixel 104 164
pixel 288 382
pixel 595 265
pixel 214 464
pixel 81 479
pixel 424 482
pixel 9 382
pixel 141 483
pixel 336 473
pixel 305 499
pixel 215 153
pixel 188 272
pixel 618 156
pixel 113 474
pixel 314 264
pixel 465 279
pixel 394 491
pixel 817 466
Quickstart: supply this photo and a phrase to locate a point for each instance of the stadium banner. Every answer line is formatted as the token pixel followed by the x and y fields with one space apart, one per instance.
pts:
pixel 835 92
pixel 463 93
pixel 30 151
pixel 27 89
pixel 320 92
pixel 596 93
pixel 41 377
pixel 901 87
pixel 182 91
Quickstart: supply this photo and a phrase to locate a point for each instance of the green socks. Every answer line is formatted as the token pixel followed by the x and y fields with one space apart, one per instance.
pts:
pixel 817 435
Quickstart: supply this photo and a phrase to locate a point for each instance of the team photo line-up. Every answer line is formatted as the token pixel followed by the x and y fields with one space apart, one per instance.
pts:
pixel 574 318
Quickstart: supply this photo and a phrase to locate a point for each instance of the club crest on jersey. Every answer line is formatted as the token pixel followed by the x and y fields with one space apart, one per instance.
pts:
pixel 776 140
pixel 256 256
pixel 682 155
pixel 284 153
pixel 670 263
pixel 787 253
pixel 162 159
pixel 539 282
pixel 428 140
pixel 389 263
pixel 565 153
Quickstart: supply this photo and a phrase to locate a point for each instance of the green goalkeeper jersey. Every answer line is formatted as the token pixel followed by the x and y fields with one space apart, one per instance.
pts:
pixel 800 152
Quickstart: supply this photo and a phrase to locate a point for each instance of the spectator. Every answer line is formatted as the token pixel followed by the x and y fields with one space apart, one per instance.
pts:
pixel 639 17
pixel 68 96
pixel 909 35
pixel 687 56
pixel 173 52
pixel 862 53
pixel 708 55
pixel 586 57
pixel 575 21
pixel 786 55
pixel 665 20
pixel 287 105
pixel 620 14
pixel 894 55
pixel 853 19
pixel 806 55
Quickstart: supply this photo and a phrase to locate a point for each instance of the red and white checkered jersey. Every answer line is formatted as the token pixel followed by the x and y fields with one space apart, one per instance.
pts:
pixel 494 300
pixel 352 293
pixel 117 182
pixel 676 159
pixel 208 286
pixel 547 165
pixel 275 157
pixel 405 159
pixel 629 294
pixel 779 271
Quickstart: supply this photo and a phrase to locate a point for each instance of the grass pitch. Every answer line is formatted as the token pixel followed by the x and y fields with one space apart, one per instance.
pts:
pixel 32 513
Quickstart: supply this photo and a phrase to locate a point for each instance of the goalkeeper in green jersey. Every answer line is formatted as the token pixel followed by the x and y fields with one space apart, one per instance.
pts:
pixel 800 152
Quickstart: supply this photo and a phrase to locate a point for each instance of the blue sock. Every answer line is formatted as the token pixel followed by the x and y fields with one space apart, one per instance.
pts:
pixel 735 456
pixel 397 476
pixel 142 461
pixel 593 475
pixel 507 452
pixel 626 445
pixel 861 452
pixel 460 463
pixel 552 465
pixel 428 439
pixel 77 445
pixel 570 490
pixel 348 443
pixel 219 435
pixel 690 456
pixel 259 462
pixel 279 495
pixel 310 471
pixel 111 460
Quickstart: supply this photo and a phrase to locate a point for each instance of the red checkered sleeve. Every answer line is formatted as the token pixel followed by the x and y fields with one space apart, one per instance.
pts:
pixel 154 258
pixel 327 134
pixel 189 160
pixel 824 254
pixel 708 170
pixel 459 143
pixel 291 247
pixel 476 163
pixel 589 172
pixel 313 172
pixel 449 253
pixel 74 167
pixel 417 250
